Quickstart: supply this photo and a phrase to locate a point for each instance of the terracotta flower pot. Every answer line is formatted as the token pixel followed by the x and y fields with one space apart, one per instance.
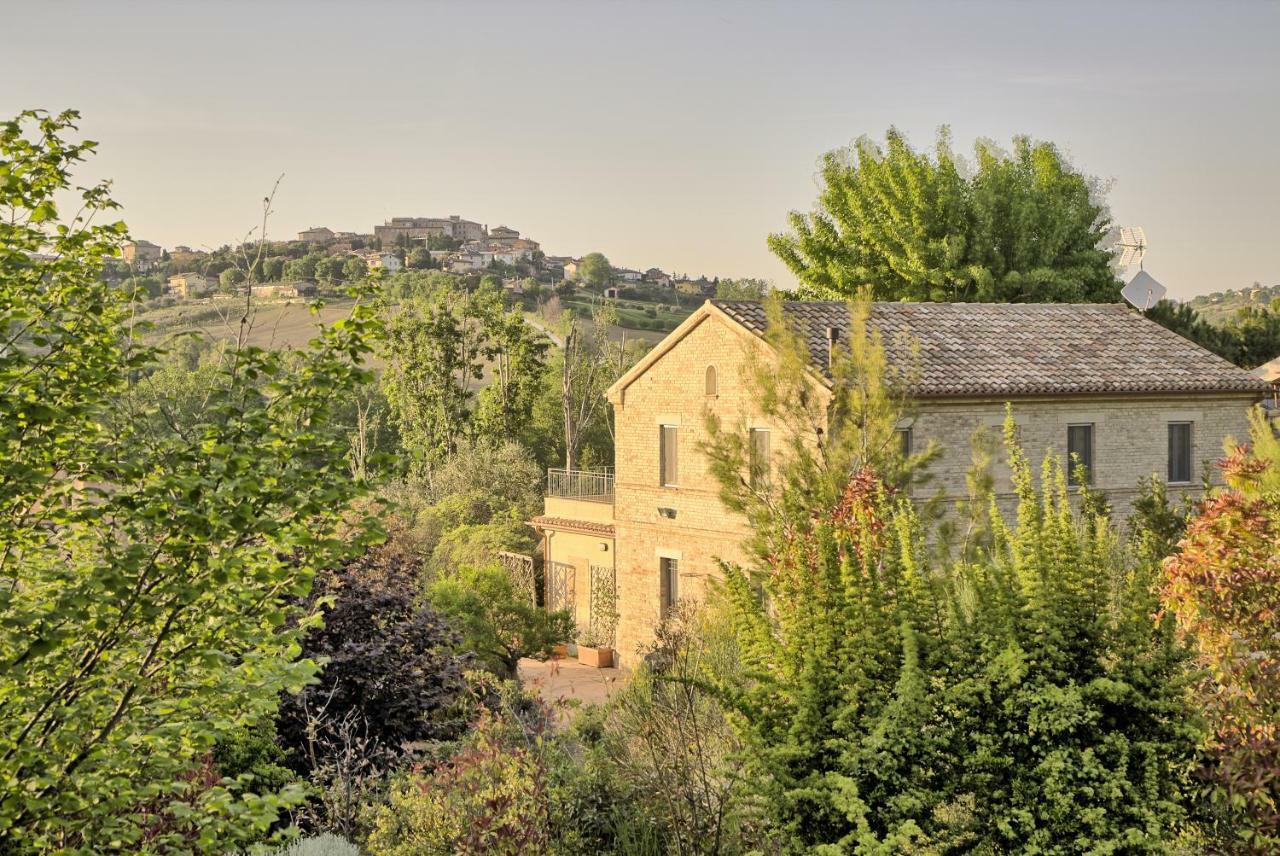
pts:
pixel 600 658
pixel 561 650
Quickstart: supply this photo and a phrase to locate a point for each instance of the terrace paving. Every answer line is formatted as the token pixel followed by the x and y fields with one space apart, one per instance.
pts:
pixel 565 679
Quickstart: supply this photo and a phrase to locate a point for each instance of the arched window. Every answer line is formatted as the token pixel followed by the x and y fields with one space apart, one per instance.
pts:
pixel 713 388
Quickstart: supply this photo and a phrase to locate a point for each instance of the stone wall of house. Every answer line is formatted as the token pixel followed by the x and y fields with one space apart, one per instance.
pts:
pixel 580 552
pixel 1130 438
pixel 701 532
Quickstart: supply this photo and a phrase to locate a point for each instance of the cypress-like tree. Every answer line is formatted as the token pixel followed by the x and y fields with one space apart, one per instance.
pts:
pixel 1017 697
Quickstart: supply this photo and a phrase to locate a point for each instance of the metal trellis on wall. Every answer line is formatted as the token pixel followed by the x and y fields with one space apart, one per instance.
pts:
pixel 561 587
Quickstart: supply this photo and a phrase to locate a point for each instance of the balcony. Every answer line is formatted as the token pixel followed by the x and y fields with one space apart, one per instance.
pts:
pixel 588 485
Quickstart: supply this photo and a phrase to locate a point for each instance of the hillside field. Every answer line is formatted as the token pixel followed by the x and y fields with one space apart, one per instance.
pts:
pixel 1221 306
pixel 271 324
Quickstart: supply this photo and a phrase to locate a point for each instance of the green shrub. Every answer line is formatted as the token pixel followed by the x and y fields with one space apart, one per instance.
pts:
pixel 254 755
pixel 488 798
pixel 319 845
pixel 497 621
pixel 478 544
pixel 1025 699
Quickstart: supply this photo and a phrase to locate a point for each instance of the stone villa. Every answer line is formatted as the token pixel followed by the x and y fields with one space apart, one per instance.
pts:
pixel 1128 396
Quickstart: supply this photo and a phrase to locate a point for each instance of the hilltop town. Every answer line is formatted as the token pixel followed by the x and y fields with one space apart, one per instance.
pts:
pixel 322 257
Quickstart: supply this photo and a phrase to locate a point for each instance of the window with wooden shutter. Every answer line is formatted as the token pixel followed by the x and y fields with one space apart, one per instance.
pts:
pixel 668 455
pixel 669 582
pixel 904 442
pixel 759 458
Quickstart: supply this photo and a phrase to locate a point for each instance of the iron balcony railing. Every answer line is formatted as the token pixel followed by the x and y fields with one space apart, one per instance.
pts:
pixel 594 485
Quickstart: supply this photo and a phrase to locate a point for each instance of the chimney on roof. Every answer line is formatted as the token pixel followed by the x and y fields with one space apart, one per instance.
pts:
pixel 833 336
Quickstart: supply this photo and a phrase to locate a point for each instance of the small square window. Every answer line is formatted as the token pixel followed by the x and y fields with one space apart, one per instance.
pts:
pixel 1079 453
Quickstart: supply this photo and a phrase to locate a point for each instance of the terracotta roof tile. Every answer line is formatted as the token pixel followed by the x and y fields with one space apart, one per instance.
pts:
pixel 994 349
pixel 590 527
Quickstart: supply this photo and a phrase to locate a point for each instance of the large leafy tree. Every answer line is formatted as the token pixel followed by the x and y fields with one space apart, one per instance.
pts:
pixel 147 575
pixel 588 363
pixel 595 270
pixel 440 343
pixel 519 373
pixel 1223 584
pixel 437 347
pixel 1023 226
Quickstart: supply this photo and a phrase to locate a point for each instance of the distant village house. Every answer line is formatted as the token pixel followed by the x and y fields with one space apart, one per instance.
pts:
pixel 142 254
pixel 283 290
pixel 657 277
pixel 316 235
pixel 389 262
pixel 189 285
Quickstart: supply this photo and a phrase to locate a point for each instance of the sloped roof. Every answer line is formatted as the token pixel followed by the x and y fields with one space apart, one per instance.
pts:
pixel 589 527
pixel 994 349
pixel 1269 372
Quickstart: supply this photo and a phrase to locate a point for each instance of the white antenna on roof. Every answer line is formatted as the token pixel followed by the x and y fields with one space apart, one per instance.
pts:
pixel 1143 291
pixel 1133 246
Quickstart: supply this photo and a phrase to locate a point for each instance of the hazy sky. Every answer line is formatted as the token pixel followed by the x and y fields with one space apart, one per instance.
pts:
pixel 676 135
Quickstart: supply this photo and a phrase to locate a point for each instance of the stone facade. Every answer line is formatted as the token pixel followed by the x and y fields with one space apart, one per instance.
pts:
pixel 700 368
pixel 578 533
pixel 686 522
pixel 187 285
pixel 141 253
pixel 316 235
pixel 1130 439
pixel 421 228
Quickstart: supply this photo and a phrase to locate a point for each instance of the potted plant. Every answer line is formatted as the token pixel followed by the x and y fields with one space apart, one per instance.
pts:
pixel 595 641
pixel 593 650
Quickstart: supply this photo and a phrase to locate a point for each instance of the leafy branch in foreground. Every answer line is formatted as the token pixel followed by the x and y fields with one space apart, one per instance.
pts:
pixel 146 576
